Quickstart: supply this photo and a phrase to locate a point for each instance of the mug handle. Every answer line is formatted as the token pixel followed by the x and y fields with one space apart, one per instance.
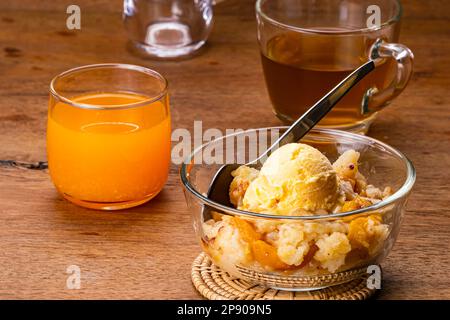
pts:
pixel 375 99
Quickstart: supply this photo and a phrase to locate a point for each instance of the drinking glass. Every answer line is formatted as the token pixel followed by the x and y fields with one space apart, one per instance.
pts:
pixel 308 47
pixel 108 135
pixel 168 28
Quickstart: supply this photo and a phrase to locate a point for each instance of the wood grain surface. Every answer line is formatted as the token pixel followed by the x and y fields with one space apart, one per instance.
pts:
pixel 146 252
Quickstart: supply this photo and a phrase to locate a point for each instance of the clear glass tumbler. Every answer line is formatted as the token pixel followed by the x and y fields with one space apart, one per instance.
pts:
pixel 168 28
pixel 108 135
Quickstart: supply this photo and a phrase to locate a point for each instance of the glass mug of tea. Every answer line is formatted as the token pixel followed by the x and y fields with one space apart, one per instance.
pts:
pixel 108 135
pixel 308 47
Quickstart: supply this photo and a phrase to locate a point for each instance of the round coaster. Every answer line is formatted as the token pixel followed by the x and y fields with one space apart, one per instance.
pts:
pixel 215 284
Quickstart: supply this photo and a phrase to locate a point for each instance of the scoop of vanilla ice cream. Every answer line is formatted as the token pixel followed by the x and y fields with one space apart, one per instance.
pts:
pixel 296 179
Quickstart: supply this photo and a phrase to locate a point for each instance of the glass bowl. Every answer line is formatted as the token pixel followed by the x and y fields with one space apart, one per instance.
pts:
pixel 243 248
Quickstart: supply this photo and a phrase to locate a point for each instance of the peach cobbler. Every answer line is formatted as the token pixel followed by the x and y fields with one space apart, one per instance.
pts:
pixel 298 180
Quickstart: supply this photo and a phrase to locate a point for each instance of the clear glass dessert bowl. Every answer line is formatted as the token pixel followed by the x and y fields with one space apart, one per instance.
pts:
pixel 297 251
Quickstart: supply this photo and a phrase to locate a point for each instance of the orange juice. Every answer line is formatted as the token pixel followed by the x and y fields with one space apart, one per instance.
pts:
pixel 112 156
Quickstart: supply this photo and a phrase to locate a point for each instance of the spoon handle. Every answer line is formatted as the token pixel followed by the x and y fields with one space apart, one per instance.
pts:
pixel 321 108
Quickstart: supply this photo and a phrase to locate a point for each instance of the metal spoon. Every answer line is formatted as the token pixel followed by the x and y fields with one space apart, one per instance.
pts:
pixel 219 188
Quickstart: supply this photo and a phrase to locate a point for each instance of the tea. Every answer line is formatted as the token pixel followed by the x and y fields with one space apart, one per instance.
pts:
pixel 300 68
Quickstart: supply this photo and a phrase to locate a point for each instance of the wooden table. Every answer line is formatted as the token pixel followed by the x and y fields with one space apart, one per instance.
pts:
pixel 146 252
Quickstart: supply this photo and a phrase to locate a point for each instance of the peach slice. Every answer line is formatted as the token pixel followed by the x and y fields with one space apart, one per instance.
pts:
pixel 216 216
pixel 358 234
pixel 266 255
pixel 355 204
pixel 246 230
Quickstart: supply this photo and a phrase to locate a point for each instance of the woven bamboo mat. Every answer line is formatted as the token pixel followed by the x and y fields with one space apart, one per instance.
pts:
pixel 215 284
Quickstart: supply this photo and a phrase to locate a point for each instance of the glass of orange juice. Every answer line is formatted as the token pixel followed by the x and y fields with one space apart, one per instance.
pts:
pixel 108 135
